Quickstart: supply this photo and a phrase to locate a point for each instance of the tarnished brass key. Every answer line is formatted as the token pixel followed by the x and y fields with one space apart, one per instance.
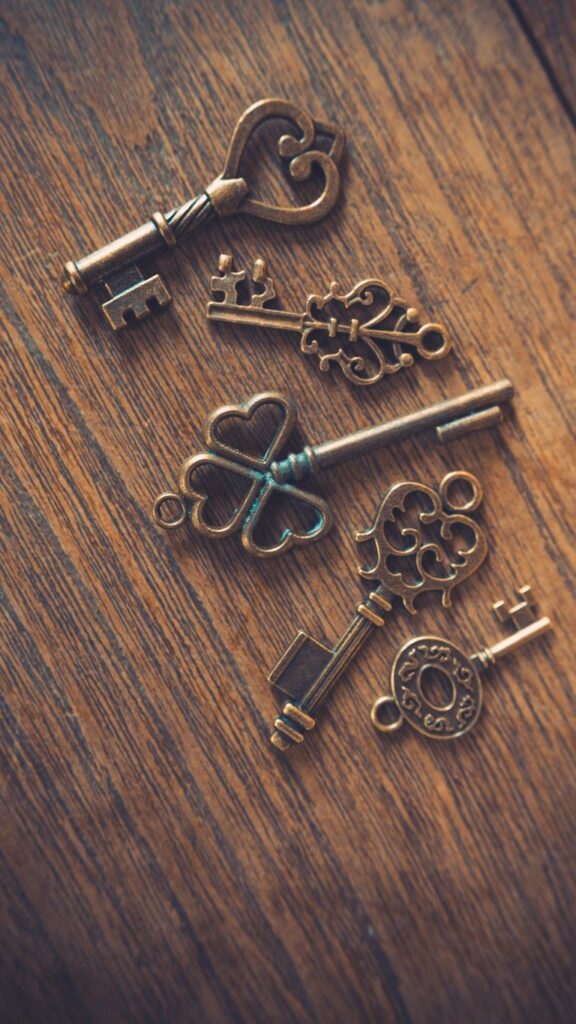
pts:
pixel 368 332
pixel 128 293
pixel 422 656
pixel 423 541
pixel 267 475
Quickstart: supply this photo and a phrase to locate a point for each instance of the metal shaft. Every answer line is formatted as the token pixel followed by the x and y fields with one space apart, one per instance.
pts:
pixel 155 234
pixel 368 618
pixel 254 316
pixel 519 638
pixel 284 320
pixel 362 441
pixel 345 651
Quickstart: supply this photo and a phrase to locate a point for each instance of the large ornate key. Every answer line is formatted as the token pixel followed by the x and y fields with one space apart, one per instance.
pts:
pixel 444 719
pixel 368 332
pixel 266 476
pixel 128 294
pixel 423 541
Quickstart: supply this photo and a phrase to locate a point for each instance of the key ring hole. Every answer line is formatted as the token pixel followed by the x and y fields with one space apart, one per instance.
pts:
pixel 386 715
pixel 433 344
pixel 467 486
pixel 162 507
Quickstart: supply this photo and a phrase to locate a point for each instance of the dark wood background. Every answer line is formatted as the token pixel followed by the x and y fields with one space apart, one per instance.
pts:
pixel 160 863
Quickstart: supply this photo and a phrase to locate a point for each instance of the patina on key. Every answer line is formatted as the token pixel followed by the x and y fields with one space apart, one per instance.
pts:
pixel 368 332
pixel 268 475
pixel 423 656
pixel 128 293
pixel 422 541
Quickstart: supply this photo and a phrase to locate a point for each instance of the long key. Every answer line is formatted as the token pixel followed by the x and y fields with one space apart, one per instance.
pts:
pixel 129 295
pixel 409 700
pixel 267 475
pixel 368 332
pixel 308 670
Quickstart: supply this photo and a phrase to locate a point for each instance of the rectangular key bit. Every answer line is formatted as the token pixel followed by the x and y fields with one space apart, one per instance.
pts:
pixel 299 666
pixel 133 297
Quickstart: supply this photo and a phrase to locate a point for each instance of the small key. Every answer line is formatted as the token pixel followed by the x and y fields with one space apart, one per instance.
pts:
pixel 128 294
pixel 267 476
pixel 431 547
pixel 368 332
pixel 408 700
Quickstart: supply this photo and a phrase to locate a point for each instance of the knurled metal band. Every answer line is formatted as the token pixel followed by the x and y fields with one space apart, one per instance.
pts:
pixel 190 215
pixel 299 716
pixel 370 614
pixel 288 730
pixel 164 230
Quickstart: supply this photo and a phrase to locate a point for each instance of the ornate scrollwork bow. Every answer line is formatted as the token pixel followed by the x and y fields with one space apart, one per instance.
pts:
pixel 423 542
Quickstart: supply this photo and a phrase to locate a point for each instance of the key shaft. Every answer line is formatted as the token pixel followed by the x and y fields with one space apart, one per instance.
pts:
pixel 488 656
pixel 369 616
pixel 471 411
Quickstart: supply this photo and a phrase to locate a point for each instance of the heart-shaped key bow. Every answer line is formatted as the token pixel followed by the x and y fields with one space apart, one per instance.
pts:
pixel 193 499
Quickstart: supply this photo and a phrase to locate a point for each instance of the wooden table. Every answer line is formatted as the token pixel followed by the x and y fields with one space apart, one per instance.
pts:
pixel 160 863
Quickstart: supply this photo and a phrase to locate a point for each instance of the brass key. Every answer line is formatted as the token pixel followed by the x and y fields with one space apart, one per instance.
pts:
pixel 423 542
pixel 368 332
pixel 408 701
pixel 267 475
pixel 128 294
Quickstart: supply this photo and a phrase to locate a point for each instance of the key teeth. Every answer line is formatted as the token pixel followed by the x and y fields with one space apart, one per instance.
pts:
pixel 521 614
pixel 228 281
pixel 260 277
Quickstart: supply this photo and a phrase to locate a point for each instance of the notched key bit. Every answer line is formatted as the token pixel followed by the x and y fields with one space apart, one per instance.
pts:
pixel 308 670
pixel 408 700
pixel 133 297
pixel 115 268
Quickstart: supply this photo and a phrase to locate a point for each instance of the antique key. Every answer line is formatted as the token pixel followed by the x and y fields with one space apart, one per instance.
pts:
pixel 265 476
pixel 423 542
pixel 422 655
pixel 128 294
pixel 368 332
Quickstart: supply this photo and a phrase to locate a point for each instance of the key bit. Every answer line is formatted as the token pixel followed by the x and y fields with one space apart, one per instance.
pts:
pixel 409 700
pixel 267 475
pixel 368 332
pixel 444 548
pixel 129 298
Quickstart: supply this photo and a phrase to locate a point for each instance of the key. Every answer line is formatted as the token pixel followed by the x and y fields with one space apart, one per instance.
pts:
pixel 409 701
pixel 267 475
pixel 432 547
pixel 127 294
pixel 368 332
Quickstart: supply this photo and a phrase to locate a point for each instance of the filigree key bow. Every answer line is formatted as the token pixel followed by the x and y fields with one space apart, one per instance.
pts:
pixel 128 295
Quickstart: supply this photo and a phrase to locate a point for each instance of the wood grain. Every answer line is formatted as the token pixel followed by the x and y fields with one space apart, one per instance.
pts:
pixel 550 30
pixel 159 862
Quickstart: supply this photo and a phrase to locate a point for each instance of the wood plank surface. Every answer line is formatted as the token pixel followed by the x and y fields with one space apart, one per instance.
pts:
pixel 550 29
pixel 160 862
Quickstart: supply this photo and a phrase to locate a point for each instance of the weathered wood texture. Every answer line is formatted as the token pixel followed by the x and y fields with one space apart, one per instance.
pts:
pixel 550 29
pixel 159 862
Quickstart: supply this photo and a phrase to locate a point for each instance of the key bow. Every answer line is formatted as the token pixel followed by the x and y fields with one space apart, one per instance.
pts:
pixel 193 497
pixel 230 193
